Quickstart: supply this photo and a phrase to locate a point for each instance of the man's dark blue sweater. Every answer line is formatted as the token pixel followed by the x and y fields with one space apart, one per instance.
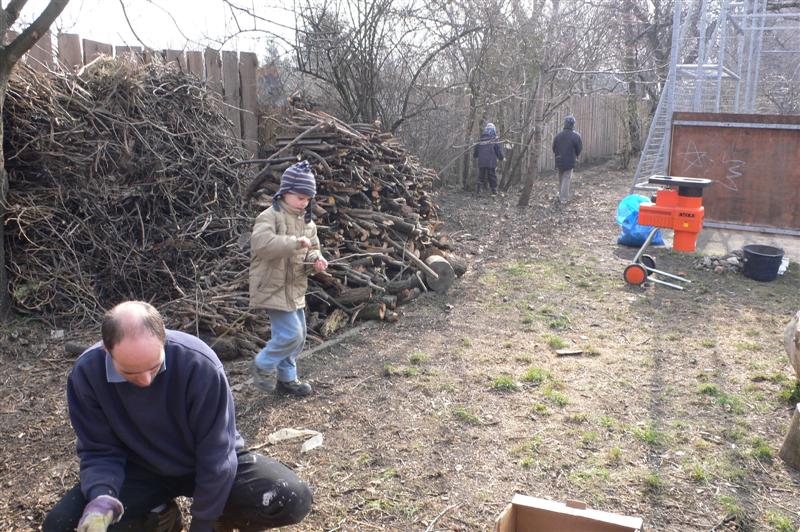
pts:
pixel 182 424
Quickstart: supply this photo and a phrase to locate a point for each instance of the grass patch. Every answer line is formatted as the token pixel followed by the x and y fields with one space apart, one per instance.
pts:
pixel 709 389
pixel 708 343
pixel 535 376
pixel 730 505
pixel 649 435
pixel 389 473
pixel 699 473
pixel 589 437
pixel 528 319
pixel 615 455
pixel 390 370
pixel 760 449
pixel 519 269
pixel 731 403
pixel 466 342
pixel 607 422
pixel 589 474
pixel 556 342
pixel 540 409
pixel 504 383
pixel 557 397
pixel 558 324
pixel 462 414
pixel 779 522
pixel 749 346
pixel 524 358
pixel 791 394
pixel 577 418
pixel 653 482
pixel 418 358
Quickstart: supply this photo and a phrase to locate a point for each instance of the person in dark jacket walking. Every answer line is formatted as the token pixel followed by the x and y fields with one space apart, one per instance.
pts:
pixel 488 152
pixel 567 146
pixel 154 418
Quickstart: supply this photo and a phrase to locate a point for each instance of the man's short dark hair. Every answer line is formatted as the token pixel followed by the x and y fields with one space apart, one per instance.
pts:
pixel 114 329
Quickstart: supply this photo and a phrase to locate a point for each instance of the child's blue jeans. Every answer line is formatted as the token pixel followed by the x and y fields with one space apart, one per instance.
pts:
pixel 288 338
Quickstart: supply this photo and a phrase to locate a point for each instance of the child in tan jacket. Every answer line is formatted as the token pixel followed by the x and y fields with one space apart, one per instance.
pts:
pixel 284 240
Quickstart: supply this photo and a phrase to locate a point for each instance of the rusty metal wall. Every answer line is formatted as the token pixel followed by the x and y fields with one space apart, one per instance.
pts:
pixel 754 161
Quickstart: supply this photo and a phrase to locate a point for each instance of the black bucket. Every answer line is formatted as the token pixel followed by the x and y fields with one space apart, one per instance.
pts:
pixel 761 262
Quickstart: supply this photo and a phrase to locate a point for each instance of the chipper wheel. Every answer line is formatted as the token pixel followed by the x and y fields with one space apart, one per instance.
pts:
pixel 635 274
pixel 649 261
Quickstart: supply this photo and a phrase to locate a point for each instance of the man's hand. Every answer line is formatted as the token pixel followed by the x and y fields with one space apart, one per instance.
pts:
pixel 320 265
pixel 100 513
pixel 303 243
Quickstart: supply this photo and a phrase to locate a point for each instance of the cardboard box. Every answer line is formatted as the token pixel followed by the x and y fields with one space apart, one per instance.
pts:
pixel 529 514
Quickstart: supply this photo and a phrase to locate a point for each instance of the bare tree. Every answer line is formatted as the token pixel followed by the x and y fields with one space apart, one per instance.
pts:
pixel 372 54
pixel 10 54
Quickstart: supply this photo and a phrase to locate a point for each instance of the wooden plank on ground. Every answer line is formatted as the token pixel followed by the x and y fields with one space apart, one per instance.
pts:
pixel 194 63
pixel 230 89
pixel 248 63
pixel 40 56
pixel 94 49
pixel 69 51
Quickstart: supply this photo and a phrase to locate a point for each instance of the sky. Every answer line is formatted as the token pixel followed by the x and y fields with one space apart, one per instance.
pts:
pixel 177 24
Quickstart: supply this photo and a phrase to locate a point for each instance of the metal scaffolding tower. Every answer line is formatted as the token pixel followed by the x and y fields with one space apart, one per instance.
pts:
pixel 731 71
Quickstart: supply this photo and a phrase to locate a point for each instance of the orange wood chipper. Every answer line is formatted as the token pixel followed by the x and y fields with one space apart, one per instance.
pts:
pixel 677 205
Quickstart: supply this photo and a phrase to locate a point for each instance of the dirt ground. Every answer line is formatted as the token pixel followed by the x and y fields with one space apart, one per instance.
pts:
pixel 674 412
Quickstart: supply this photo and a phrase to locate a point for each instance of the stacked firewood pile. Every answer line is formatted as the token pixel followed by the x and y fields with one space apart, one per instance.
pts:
pixel 125 183
pixel 376 220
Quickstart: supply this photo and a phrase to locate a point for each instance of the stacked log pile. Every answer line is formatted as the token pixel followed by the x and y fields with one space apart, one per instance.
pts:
pixel 376 220
pixel 124 183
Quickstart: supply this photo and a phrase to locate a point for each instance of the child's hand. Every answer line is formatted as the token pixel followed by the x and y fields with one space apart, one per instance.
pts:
pixel 320 265
pixel 303 243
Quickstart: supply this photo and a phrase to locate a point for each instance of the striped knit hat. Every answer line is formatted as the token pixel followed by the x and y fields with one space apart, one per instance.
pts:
pixel 298 178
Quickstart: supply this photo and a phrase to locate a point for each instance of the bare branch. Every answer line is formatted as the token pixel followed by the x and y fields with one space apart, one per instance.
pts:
pixel 31 35
pixel 13 10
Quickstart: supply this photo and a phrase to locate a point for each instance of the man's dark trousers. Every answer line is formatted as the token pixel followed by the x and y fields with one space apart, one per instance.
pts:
pixel 265 494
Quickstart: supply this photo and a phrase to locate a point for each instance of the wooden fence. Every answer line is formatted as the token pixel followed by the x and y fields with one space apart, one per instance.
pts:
pixel 600 119
pixel 231 74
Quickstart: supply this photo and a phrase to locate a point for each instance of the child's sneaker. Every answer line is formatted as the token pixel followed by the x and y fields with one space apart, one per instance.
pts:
pixel 264 379
pixel 295 387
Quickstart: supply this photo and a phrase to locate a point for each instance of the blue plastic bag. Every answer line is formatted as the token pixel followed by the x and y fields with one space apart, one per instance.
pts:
pixel 632 233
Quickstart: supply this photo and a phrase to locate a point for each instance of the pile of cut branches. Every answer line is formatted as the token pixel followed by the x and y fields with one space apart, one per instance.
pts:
pixel 126 183
pixel 122 185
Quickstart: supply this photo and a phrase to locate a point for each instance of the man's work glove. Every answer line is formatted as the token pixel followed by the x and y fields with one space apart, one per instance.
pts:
pixel 100 513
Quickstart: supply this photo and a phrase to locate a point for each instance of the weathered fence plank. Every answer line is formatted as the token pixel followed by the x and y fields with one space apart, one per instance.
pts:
pixel 93 49
pixel 230 88
pixel 69 51
pixel 40 56
pixel 176 56
pixel 131 53
pixel 194 63
pixel 248 62
pixel 213 70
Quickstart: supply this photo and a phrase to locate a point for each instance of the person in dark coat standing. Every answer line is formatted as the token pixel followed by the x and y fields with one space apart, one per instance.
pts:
pixel 488 152
pixel 567 146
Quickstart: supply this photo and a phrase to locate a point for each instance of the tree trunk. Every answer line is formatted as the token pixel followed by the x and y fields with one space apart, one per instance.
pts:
pixel 466 157
pixel 790 450
pixel 632 111
pixel 5 298
pixel 533 172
